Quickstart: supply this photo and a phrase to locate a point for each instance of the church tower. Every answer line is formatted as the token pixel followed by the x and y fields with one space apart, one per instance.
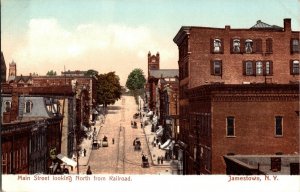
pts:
pixel 12 71
pixel 153 62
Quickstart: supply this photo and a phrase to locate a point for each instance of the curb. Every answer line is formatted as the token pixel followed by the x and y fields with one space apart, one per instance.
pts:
pixel 90 151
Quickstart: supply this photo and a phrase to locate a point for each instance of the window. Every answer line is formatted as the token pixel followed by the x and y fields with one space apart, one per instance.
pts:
pixel 186 69
pixel 268 68
pixel 236 46
pixel 295 46
pixel 294 67
pixel 259 68
pixel 7 105
pixel 28 106
pixel 269 45
pixel 216 67
pixel 217 45
pixel 278 126
pixel 248 68
pixel 248 46
pixel 230 126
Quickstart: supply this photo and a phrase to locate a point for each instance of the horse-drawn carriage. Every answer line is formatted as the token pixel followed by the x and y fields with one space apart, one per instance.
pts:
pixel 104 142
pixel 136 115
pixel 95 144
pixel 137 144
pixel 145 162
pixel 133 124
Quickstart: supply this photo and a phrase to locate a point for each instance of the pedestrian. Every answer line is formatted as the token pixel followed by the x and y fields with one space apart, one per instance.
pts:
pixel 158 160
pixel 162 159
pixel 84 152
pixel 113 141
pixel 89 171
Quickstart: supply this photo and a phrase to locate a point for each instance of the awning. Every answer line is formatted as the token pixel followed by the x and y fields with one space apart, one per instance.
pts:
pixel 166 144
pixel 150 113
pixel 95 112
pixel 67 160
pixel 159 132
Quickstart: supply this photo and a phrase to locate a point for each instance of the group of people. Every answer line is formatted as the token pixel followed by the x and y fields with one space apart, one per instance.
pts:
pixel 156 142
pixel 160 160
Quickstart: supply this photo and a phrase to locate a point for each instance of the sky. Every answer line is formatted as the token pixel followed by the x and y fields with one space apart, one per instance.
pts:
pixel 116 35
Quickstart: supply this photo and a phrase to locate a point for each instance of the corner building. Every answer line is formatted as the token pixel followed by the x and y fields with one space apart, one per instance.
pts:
pixel 238 93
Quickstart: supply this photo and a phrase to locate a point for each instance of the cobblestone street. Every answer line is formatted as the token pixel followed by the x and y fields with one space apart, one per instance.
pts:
pixel 120 157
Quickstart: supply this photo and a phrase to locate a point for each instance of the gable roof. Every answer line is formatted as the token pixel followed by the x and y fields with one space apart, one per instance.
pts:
pixel 163 73
pixel 25 79
pixel 261 25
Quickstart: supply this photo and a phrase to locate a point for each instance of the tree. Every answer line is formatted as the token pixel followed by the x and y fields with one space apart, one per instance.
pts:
pixel 136 80
pixel 51 73
pixel 108 88
pixel 91 73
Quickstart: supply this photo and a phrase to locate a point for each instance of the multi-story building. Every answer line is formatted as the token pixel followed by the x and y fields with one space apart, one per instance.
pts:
pixel 85 88
pixel 238 93
pixel 32 127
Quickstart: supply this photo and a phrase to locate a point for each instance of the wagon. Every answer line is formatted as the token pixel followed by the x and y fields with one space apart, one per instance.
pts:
pixel 137 144
pixel 145 162
pixel 133 124
pixel 136 115
pixel 104 142
pixel 95 144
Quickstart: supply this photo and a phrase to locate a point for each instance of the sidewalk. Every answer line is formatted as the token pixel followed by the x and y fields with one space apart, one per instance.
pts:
pixel 87 145
pixel 155 151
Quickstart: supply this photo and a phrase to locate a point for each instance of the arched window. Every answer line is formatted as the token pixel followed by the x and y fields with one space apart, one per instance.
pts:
pixel 217 45
pixel 248 46
pixel 236 45
pixel 28 107
pixel 295 67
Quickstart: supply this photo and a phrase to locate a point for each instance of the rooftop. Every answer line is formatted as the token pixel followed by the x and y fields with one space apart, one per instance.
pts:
pixel 261 25
pixel 263 162
pixel 164 73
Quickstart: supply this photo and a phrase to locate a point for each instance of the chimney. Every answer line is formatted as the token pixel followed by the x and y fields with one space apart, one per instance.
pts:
pixel 287 24
pixel 227 27
pixel 14 106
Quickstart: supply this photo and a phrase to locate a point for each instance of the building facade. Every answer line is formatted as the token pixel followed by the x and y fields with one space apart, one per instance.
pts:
pixel 32 125
pixel 234 83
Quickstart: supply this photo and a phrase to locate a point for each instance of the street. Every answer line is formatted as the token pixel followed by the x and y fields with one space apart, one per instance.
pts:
pixel 120 157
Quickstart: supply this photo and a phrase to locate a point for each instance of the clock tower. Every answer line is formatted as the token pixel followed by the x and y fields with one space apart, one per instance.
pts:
pixel 153 62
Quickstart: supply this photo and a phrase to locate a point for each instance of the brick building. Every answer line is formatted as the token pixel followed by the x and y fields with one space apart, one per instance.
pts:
pixel 32 125
pixel 85 88
pixel 236 88
pixel 153 64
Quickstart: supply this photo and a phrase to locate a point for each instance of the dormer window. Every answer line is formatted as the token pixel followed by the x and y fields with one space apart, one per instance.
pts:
pixel 28 107
pixel 248 46
pixel 7 105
